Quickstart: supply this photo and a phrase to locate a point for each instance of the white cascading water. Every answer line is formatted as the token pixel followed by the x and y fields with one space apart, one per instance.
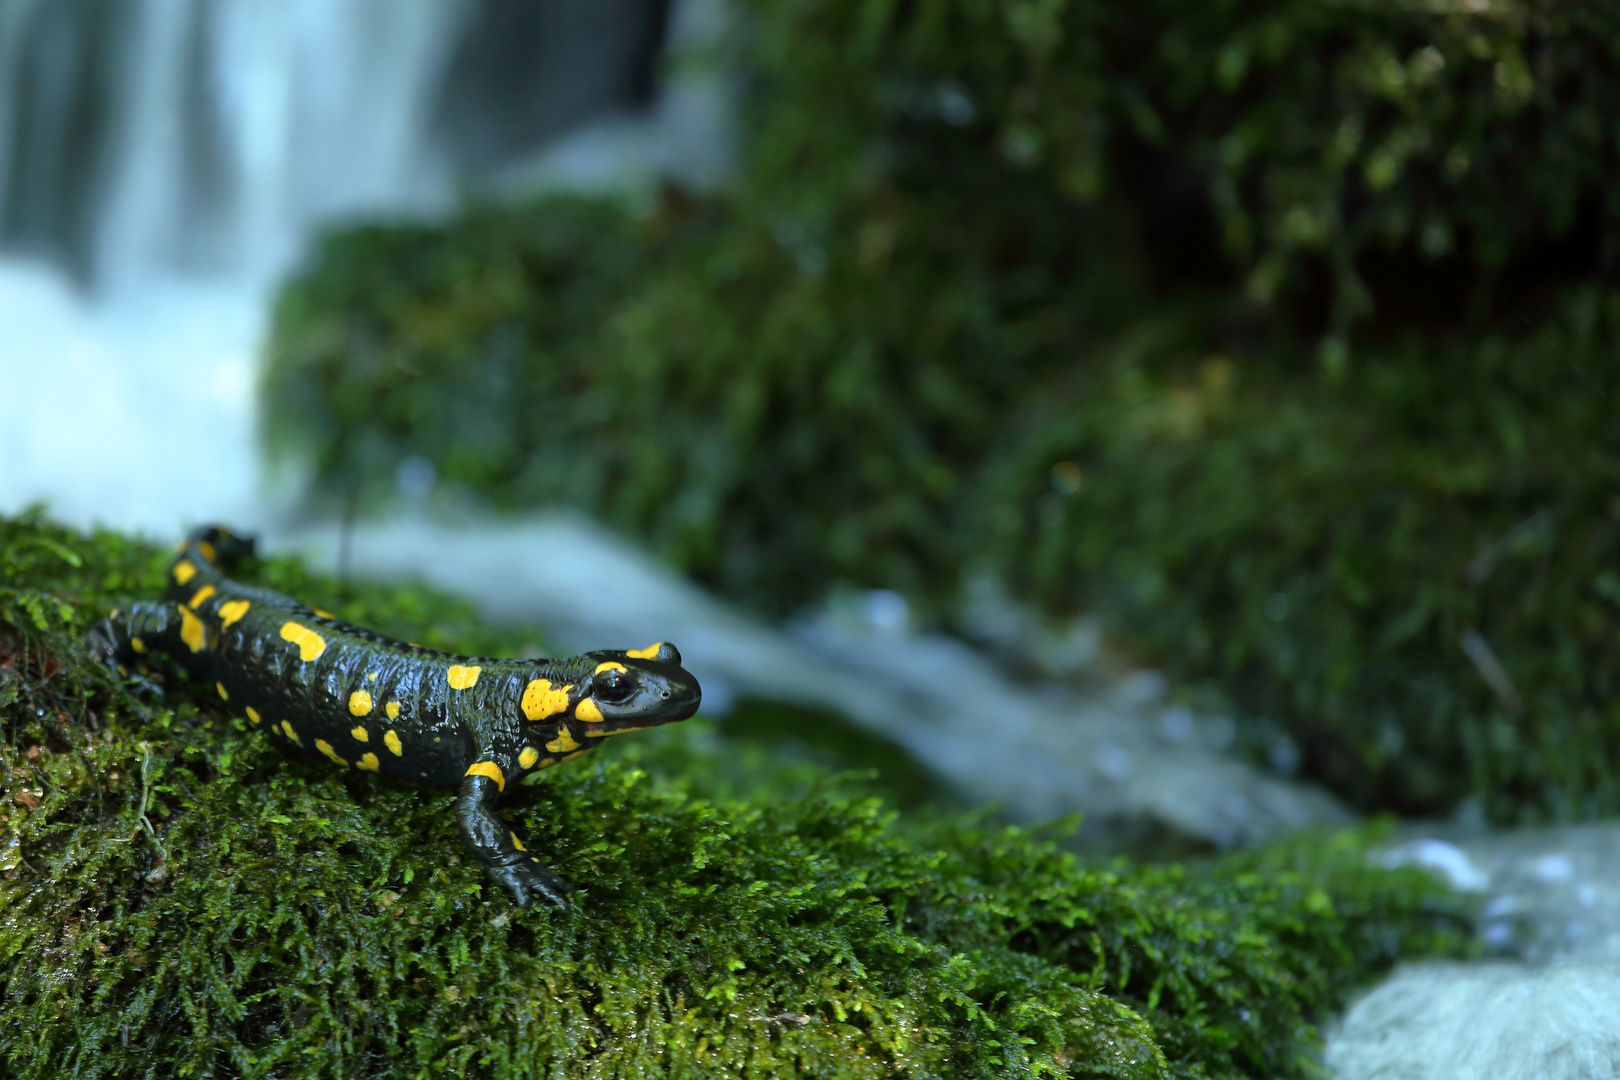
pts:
pixel 164 163
pixel 309 111
pixel 230 131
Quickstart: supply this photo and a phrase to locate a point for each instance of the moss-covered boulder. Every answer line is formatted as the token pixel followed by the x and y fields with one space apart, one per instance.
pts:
pixel 179 899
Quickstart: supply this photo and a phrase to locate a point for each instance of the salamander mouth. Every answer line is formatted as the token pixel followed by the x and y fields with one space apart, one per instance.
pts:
pixel 642 713
pixel 619 727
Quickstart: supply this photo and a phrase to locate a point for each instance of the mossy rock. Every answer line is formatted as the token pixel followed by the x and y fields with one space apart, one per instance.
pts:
pixel 180 900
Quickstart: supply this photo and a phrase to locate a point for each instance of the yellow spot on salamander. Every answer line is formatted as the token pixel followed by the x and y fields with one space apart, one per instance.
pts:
pixel 223 696
pixel 207 550
pixel 287 727
pixel 649 653
pixel 391 740
pixel 529 756
pixel 588 712
pixel 608 665
pixel 462 676
pixel 200 595
pixel 323 614
pixel 393 710
pixel 326 748
pixel 360 734
pixel 310 644
pixel 372 677
pixel 184 571
pixel 576 753
pixel 253 715
pixel 518 843
pixel 191 630
pixel 541 700
pixel 489 769
pixel 368 761
pixel 359 703
pixel 137 644
pixel 232 610
pixel 563 741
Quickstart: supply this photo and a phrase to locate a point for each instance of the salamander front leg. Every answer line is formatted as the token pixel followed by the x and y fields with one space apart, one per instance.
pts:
pixel 500 851
pixel 124 639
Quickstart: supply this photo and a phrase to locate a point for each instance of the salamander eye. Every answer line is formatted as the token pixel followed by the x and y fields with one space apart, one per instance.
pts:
pixel 613 687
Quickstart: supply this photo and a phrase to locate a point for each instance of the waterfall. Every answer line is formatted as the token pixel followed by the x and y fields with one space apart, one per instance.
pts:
pixel 163 163
pixel 214 136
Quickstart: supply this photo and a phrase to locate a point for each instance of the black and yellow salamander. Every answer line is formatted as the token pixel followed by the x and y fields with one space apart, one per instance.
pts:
pixel 319 686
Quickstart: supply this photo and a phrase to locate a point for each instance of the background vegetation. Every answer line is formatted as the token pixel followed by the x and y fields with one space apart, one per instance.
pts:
pixel 178 899
pixel 1279 334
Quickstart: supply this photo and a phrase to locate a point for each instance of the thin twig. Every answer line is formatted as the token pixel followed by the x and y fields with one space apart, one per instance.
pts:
pixel 146 761
pixel 1491 669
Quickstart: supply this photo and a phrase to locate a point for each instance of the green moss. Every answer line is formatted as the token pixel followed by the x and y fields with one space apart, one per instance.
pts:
pixel 179 900
pixel 472 313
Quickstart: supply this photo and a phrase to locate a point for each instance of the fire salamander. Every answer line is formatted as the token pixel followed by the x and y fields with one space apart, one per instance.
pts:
pixel 319 686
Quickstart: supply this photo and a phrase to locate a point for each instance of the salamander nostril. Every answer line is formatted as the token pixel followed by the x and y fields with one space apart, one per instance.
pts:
pixel 666 695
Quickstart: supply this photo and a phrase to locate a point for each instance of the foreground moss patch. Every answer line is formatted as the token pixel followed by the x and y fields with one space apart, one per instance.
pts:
pixel 181 900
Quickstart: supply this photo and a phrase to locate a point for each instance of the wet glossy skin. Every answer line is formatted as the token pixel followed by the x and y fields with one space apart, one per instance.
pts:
pixel 323 687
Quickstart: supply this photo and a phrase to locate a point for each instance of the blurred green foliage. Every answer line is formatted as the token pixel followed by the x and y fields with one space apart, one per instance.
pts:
pixel 798 733
pixel 178 899
pixel 1414 566
pixel 1277 333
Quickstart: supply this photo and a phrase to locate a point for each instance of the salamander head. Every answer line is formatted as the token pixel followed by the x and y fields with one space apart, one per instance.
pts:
pixel 635 689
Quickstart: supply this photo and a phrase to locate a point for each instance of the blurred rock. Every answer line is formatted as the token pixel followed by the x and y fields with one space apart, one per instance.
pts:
pixel 1546 1006
pixel 1147 777
pixel 1490 1021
